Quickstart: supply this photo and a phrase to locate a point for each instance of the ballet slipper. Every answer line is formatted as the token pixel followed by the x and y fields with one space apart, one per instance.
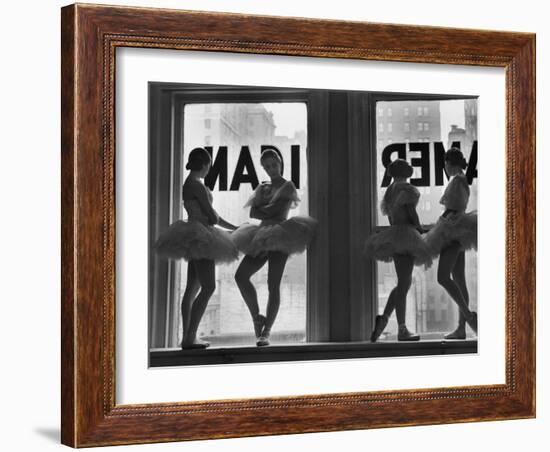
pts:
pixel 194 343
pixel 472 321
pixel 458 334
pixel 259 322
pixel 379 325
pixel 263 340
pixel 403 334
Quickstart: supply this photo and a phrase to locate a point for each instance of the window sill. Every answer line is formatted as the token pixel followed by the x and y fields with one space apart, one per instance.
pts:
pixel 308 352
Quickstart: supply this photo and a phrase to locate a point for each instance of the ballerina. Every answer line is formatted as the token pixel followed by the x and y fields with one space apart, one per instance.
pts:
pixel 272 241
pixel 401 243
pixel 454 233
pixel 198 242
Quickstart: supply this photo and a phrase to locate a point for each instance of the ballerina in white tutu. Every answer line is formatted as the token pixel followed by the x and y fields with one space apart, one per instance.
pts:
pixel 200 243
pixel 401 243
pixel 453 234
pixel 272 241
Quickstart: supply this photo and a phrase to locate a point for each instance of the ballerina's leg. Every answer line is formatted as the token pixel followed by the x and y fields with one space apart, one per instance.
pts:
pixel 277 262
pixel 248 267
pixel 206 274
pixel 447 261
pixel 459 278
pixel 191 290
pixel 403 267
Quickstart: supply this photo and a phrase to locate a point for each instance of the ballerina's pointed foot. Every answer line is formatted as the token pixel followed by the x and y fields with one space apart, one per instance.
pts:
pixel 263 340
pixel 458 334
pixel 195 344
pixel 472 321
pixel 379 325
pixel 259 322
pixel 403 334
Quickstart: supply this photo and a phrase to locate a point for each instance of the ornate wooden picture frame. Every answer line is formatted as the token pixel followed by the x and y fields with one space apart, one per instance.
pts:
pixel 90 37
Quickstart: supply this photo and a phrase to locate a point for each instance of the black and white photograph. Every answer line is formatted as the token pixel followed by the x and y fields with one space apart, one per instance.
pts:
pixel 290 224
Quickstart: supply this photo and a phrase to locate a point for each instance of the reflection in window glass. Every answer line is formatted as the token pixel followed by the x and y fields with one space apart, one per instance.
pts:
pixel 244 128
pixel 429 308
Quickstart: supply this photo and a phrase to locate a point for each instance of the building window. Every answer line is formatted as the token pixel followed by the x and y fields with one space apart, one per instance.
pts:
pixel 425 111
pixel 381 127
pixel 407 127
pixel 390 127
pixel 419 126
pixel 426 126
pixel 389 111
pixel 419 111
pixel 207 123
pixel 380 112
pixel 406 111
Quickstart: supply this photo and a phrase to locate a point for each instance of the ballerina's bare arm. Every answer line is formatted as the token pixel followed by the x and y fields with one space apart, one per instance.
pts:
pixel 413 215
pixel 272 209
pixel 225 224
pixel 200 193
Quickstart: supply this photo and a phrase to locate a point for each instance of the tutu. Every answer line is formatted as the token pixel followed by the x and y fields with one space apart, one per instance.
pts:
pixel 401 237
pixel 290 236
pixel 192 240
pixel 460 227
pixel 398 239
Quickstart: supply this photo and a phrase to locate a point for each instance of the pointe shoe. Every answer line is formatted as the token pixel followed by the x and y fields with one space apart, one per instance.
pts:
pixel 458 334
pixel 403 334
pixel 194 344
pixel 379 325
pixel 259 322
pixel 472 321
pixel 263 340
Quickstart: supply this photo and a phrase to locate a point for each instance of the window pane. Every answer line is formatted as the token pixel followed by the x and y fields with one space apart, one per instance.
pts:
pixel 243 129
pixel 429 307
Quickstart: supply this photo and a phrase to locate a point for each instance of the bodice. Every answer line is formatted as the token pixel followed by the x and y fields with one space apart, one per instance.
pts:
pixel 194 209
pixel 395 202
pixel 456 194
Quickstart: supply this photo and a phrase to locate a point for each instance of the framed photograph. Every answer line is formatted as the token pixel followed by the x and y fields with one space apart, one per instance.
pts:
pixel 282 225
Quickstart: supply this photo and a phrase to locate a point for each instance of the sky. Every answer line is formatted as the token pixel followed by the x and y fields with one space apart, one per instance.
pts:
pixel 289 117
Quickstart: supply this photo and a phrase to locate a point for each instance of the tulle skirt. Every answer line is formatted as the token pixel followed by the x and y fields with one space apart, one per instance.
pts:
pixel 460 227
pixel 398 239
pixel 192 240
pixel 291 236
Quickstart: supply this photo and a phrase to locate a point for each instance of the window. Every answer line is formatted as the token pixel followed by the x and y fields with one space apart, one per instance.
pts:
pixel 406 111
pixel 227 320
pixel 419 111
pixel 429 309
pixel 313 310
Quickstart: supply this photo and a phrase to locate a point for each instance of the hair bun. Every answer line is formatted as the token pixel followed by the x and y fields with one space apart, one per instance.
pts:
pixel 198 157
